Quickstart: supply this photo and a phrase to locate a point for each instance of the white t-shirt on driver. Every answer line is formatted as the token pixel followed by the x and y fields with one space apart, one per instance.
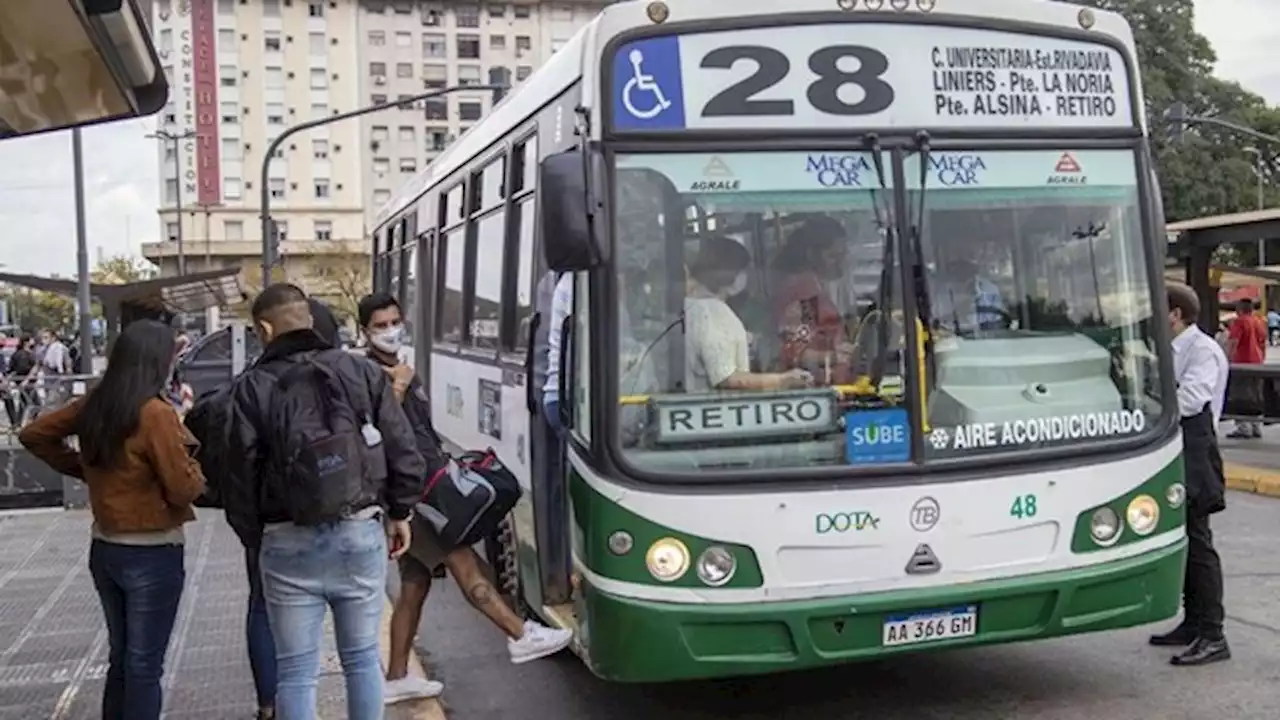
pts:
pixel 716 344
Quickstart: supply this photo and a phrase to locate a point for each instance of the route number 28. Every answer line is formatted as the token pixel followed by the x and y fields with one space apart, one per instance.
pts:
pixel 772 66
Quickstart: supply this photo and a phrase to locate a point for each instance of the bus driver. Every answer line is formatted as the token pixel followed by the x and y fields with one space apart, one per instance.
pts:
pixel 717 346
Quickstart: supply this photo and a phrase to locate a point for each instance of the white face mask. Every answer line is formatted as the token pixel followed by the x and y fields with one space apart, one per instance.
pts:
pixel 389 340
pixel 739 284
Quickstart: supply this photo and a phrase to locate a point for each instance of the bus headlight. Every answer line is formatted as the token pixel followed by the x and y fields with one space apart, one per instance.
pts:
pixel 1176 495
pixel 1104 526
pixel 716 566
pixel 667 559
pixel 1143 514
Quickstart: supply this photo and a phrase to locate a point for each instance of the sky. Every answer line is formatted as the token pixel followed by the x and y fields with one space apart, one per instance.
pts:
pixel 37 204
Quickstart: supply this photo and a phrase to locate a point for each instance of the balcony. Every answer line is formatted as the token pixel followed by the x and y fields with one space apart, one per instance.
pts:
pixel 200 248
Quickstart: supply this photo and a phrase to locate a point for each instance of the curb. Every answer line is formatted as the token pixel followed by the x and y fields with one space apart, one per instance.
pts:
pixel 426 709
pixel 1259 481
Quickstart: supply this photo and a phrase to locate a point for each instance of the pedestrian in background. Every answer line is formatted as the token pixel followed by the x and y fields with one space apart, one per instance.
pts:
pixel 1200 370
pixel 1247 345
pixel 136 458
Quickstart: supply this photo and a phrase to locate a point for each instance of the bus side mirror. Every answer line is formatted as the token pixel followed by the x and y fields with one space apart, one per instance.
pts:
pixel 572 213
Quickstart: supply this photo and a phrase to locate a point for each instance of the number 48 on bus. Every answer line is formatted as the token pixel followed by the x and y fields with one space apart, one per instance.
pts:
pixel 1024 506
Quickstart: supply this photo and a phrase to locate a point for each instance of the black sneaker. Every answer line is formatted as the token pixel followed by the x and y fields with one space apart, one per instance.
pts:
pixel 1202 652
pixel 1179 637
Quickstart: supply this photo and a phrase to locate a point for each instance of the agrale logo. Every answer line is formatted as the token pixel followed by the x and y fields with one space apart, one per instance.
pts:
pixel 716 177
pixel 1068 172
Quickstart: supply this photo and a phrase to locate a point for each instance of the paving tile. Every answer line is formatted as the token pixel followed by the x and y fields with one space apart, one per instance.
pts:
pixel 53 643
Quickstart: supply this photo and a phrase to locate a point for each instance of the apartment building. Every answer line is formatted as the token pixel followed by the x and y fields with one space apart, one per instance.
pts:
pixel 241 72
pixel 408 47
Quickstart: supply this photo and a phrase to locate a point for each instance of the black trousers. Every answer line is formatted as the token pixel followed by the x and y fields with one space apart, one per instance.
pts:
pixel 1202 588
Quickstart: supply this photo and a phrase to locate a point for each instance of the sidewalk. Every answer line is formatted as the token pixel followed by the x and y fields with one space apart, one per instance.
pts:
pixel 53 642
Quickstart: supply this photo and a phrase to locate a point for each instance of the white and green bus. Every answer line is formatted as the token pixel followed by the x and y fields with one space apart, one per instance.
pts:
pixel 987 448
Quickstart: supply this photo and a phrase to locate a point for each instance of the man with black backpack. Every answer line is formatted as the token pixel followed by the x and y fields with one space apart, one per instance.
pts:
pixel 320 454
pixel 210 421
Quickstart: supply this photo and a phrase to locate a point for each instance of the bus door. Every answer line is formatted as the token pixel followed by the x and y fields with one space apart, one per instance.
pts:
pixel 547 466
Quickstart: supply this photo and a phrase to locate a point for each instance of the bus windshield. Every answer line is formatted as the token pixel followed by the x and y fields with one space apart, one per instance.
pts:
pixel 758 326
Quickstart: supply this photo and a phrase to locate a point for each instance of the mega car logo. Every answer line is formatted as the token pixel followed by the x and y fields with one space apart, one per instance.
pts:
pixel 837 170
pixel 953 169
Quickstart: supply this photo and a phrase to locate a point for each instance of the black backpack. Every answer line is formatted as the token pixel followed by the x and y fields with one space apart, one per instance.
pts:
pixel 209 420
pixel 325 449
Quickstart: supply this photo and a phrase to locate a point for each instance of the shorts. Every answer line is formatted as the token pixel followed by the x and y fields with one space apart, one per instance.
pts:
pixel 425 555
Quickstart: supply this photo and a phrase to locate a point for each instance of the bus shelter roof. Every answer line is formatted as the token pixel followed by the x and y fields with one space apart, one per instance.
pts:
pixel 190 293
pixel 1214 230
pixel 1230 277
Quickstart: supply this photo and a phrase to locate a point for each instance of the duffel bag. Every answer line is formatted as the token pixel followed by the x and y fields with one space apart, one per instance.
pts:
pixel 467 498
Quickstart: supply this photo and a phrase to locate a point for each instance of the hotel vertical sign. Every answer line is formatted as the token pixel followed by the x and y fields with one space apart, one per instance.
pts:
pixel 207 169
pixel 193 96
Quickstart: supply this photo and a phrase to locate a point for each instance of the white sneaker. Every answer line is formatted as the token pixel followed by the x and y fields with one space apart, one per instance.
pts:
pixel 410 688
pixel 539 641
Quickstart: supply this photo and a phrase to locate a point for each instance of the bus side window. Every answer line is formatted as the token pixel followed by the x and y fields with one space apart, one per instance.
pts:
pixel 522 223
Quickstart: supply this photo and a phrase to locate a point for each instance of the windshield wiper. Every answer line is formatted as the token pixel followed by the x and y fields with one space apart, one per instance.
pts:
pixel 924 304
pixel 887 261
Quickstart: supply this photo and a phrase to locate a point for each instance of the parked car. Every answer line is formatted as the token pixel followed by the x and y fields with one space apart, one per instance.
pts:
pixel 208 363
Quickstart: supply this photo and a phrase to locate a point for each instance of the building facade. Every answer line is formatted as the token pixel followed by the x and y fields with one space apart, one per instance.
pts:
pixel 410 47
pixel 242 71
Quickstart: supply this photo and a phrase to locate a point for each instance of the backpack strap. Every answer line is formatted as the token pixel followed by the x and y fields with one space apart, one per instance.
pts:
pixel 362 401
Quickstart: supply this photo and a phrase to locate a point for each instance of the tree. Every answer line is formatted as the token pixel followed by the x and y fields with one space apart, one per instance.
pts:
pixel 342 279
pixel 35 310
pixel 122 269
pixel 1209 170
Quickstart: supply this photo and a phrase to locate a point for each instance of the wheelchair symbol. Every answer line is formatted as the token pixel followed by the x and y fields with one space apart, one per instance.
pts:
pixel 642 82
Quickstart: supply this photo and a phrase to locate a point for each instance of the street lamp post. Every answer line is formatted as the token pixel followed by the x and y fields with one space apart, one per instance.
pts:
pixel 1259 165
pixel 269 240
pixel 172 139
pixel 84 297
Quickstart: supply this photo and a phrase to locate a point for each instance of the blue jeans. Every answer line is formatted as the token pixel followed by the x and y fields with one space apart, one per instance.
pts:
pixel 551 410
pixel 257 630
pixel 305 571
pixel 139 587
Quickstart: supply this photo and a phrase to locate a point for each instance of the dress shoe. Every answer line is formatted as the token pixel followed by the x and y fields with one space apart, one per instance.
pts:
pixel 1203 652
pixel 1180 636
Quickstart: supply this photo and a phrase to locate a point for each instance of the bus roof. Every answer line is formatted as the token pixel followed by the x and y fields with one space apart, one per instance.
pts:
pixel 580 57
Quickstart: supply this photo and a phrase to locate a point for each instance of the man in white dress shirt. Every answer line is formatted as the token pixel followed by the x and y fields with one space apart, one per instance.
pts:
pixel 1200 368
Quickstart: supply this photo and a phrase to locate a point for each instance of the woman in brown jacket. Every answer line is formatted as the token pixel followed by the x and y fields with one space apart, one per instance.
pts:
pixel 135 456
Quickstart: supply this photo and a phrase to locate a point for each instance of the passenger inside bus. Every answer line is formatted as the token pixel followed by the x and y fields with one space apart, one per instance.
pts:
pixel 966 300
pixel 717 345
pixel 808 320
